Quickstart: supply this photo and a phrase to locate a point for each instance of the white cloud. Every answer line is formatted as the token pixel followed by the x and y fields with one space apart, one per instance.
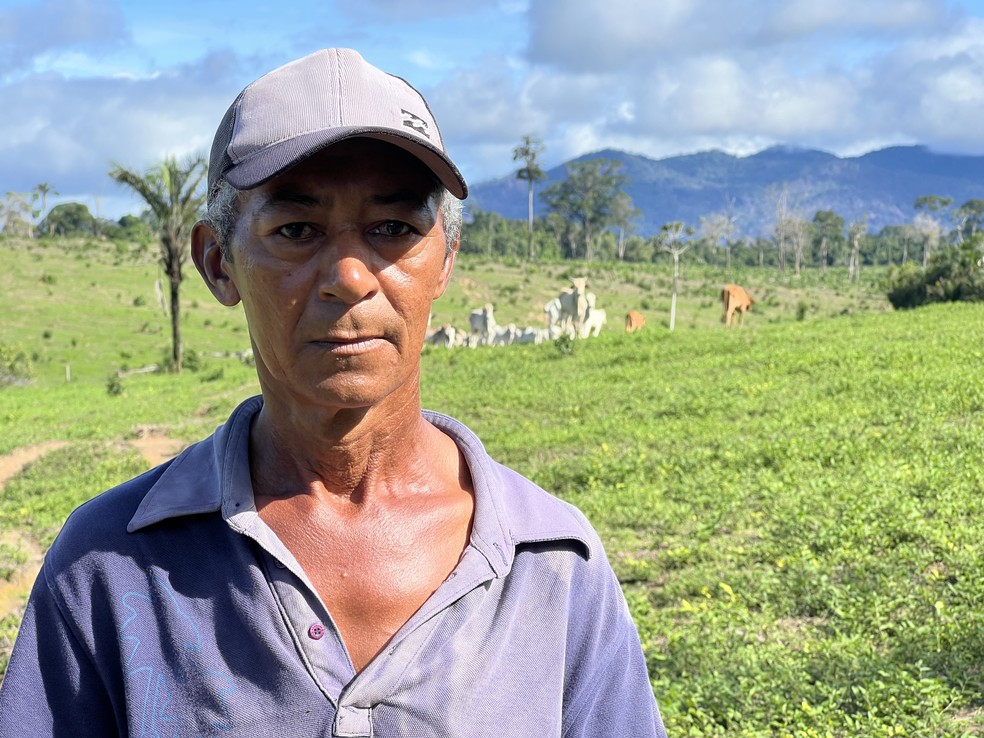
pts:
pixel 800 18
pixel 27 31
pixel 656 78
pixel 77 128
pixel 393 11
pixel 659 78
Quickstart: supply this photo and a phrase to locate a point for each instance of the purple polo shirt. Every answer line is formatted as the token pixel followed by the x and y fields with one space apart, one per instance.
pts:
pixel 167 607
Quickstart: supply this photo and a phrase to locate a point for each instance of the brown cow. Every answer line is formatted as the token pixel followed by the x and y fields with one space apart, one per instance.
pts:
pixel 734 298
pixel 634 321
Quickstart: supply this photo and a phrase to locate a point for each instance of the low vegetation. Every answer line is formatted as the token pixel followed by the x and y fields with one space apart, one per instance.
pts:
pixel 953 274
pixel 793 508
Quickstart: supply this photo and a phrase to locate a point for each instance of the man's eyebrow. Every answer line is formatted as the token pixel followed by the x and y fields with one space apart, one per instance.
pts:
pixel 407 196
pixel 286 197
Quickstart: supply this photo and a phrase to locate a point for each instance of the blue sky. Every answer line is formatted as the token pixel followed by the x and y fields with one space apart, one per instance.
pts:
pixel 84 83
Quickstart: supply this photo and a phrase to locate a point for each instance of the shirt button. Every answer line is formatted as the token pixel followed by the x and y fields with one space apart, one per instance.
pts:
pixel 316 632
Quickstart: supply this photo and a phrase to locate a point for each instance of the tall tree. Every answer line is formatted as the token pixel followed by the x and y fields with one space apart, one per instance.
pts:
pixel 591 196
pixel 622 215
pixel 783 217
pixel 828 231
pixel 800 232
pixel 933 207
pixel 857 232
pixel 970 218
pixel 42 190
pixel 528 152
pixel 717 228
pixel 930 229
pixel 173 193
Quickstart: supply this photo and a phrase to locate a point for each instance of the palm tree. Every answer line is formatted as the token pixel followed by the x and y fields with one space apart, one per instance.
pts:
pixel 172 191
pixel 531 172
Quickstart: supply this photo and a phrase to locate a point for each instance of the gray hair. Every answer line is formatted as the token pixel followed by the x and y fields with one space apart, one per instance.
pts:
pixel 223 210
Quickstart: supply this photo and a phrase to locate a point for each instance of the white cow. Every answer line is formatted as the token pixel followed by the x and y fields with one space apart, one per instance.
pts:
pixel 504 336
pixel 574 305
pixel 594 322
pixel 533 335
pixel 443 336
pixel 552 309
pixel 482 324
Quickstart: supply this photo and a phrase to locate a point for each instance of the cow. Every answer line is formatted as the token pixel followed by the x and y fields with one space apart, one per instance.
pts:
pixel 735 298
pixel 634 321
pixel 594 322
pixel 533 335
pixel 482 324
pixel 552 309
pixel 504 336
pixel 574 305
pixel 443 336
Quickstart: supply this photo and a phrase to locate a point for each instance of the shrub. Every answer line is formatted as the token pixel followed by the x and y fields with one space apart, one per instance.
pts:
pixel 15 366
pixel 952 275
pixel 114 386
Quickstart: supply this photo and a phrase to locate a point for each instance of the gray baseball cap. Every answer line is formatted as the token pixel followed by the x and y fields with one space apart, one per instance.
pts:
pixel 331 95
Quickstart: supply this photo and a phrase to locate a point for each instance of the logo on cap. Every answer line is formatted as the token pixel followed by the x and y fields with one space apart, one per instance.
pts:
pixel 415 122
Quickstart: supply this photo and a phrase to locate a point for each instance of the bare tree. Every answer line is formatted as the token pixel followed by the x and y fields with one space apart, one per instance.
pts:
pixel 718 227
pixel 669 240
pixel 799 234
pixel 858 230
pixel 933 207
pixel 930 229
pixel 18 215
pixel 782 223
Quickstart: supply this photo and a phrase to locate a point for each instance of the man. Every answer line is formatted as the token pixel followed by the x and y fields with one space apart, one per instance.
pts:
pixel 333 561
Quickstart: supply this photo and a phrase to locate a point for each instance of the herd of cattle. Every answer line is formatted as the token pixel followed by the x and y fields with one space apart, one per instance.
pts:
pixel 574 312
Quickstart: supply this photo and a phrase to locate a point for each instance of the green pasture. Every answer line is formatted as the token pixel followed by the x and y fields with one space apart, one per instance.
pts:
pixel 795 509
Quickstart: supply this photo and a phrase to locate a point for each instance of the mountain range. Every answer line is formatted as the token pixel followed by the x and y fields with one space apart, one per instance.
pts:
pixel 880 185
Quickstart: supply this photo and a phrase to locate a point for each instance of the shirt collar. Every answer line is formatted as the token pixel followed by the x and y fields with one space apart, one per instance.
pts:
pixel 197 480
pixel 213 475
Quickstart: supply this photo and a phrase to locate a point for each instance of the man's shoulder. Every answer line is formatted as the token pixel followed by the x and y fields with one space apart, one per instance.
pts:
pixel 182 486
pixel 537 515
pixel 101 520
pixel 529 513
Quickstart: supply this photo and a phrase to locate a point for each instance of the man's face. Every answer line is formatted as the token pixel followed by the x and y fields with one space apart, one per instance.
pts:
pixel 337 262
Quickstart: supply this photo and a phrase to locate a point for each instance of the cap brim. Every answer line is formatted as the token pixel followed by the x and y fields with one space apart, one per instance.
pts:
pixel 275 160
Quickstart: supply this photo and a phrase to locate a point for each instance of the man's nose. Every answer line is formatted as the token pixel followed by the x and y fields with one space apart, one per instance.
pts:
pixel 347 270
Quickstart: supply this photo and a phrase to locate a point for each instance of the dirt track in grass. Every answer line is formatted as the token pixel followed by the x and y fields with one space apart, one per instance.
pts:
pixel 152 444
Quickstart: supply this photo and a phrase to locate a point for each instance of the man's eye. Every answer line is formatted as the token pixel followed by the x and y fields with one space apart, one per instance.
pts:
pixel 393 229
pixel 296 231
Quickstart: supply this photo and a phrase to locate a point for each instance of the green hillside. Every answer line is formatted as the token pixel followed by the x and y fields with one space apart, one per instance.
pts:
pixel 794 508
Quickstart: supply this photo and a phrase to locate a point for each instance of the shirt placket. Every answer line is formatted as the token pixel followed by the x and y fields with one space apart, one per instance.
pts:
pixel 312 629
pixel 357 697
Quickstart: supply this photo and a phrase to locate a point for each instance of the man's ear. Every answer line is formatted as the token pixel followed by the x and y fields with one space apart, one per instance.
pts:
pixel 212 264
pixel 446 269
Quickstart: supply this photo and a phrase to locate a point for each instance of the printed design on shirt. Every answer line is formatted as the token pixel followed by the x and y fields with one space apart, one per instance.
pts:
pixel 163 650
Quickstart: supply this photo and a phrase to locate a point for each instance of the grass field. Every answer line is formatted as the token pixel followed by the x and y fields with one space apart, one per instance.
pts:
pixel 794 509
